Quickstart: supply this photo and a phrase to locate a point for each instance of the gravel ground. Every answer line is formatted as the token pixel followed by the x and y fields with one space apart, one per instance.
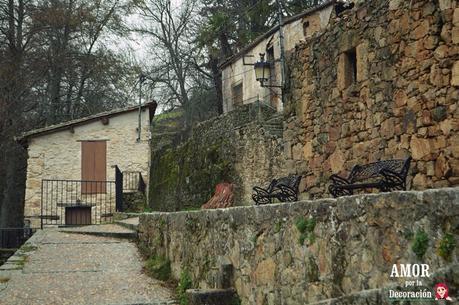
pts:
pixel 60 268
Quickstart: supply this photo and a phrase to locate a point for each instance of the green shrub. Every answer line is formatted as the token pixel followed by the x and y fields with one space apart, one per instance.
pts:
pixel 446 246
pixel 277 226
pixel 420 243
pixel 184 284
pixel 158 267
pixel 300 224
pixel 306 228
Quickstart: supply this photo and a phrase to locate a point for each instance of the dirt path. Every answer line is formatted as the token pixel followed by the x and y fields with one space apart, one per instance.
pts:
pixel 61 268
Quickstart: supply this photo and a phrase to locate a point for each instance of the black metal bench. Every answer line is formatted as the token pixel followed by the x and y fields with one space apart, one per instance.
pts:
pixel 386 176
pixel 284 189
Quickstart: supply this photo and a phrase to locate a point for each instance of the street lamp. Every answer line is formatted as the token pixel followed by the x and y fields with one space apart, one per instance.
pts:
pixel 263 71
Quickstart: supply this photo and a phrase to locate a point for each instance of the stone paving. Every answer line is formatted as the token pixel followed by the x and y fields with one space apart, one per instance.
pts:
pixel 131 223
pixel 108 230
pixel 55 267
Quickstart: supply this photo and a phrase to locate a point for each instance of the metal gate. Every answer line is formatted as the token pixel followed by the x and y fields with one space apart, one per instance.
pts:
pixel 77 202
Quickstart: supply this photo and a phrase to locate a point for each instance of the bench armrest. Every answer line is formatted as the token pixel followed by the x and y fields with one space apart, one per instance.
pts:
pixel 392 179
pixel 338 180
pixel 260 190
pixel 287 193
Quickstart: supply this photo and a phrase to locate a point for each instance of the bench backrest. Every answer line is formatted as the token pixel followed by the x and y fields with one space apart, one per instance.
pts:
pixel 372 170
pixel 291 181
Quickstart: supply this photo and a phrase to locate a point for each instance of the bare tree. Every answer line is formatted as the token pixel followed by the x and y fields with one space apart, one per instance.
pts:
pixel 173 48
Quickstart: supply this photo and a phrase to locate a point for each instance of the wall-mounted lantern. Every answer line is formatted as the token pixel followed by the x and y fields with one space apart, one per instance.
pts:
pixel 263 72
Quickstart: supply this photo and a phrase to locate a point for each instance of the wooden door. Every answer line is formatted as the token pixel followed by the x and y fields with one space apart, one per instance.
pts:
pixel 78 215
pixel 93 167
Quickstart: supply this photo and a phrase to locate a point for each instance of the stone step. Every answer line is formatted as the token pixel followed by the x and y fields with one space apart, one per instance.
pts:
pixel 131 223
pixel 212 296
pixel 106 230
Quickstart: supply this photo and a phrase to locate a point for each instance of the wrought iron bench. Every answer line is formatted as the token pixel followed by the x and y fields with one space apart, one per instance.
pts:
pixel 284 189
pixel 386 176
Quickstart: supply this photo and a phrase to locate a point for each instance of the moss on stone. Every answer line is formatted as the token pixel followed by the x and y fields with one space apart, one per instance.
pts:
pixel 278 226
pixel 28 248
pixel 446 246
pixel 420 243
pixel 184 177
pixel 184 283
pixel 158 267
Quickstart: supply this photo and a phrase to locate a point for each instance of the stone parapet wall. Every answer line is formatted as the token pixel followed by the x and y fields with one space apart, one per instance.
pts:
pixel 403 99
pixel 344 246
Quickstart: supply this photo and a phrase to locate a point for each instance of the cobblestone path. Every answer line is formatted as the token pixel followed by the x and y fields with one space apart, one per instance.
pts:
pixel 60 268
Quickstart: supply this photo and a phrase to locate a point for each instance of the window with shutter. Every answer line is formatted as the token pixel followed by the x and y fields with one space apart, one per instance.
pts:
pixel 93 167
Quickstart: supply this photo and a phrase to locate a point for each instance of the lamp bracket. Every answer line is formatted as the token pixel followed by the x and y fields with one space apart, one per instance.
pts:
pixel 245 63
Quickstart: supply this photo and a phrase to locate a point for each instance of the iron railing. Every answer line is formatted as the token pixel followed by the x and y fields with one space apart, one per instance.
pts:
pixel 13 238
pixel 77 202
pixel 119 189
pixel 133 181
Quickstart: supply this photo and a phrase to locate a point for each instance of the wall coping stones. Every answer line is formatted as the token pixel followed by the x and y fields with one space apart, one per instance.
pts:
pixel 357 200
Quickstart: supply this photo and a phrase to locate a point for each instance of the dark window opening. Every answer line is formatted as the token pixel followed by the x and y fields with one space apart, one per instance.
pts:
pixel 305 28
pixel 237 94
pixel 350 67
pixel 270 59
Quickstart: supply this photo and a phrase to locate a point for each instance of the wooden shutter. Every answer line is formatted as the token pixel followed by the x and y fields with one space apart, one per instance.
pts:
pixel 93 166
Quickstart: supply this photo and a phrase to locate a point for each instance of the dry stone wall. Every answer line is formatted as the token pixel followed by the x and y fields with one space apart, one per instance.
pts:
pixel 381 82
pixel 235 148
pixel 309 251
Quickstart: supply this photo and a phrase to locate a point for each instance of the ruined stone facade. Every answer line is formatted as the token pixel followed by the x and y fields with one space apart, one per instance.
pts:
pixel 381 82
pixel 309 251
pixel 56 154
pixel 240 147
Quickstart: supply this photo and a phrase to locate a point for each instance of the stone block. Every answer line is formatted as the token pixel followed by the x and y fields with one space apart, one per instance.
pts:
pixel 456 17
pixel 308 150
pixel 337 160
pixel 265 271
pixel 395 4
pixel 420 147
pixel 455 74
pixel 437 78
pixel 445 4
pixel 362 61
pixel 442 167
pixel 455 35
pixel 421 30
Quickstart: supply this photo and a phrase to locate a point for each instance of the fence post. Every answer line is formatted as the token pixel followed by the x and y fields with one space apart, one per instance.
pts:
pixel 41 207
pixel 118 189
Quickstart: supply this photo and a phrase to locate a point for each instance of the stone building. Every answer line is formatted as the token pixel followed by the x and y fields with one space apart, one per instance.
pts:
pixel 66 159
pixel 380 82
pixel 239 85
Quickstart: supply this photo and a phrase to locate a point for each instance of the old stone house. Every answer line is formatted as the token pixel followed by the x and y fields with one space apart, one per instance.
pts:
pixel 71 166
pixel 239 85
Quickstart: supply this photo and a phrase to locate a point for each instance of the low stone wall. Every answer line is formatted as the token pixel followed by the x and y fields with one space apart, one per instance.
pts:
pixel 309 251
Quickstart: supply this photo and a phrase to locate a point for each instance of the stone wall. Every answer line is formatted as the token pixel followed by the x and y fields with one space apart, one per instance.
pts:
pixel 305 252
pixel 57 155
pixel 236 147
pixel 401 99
